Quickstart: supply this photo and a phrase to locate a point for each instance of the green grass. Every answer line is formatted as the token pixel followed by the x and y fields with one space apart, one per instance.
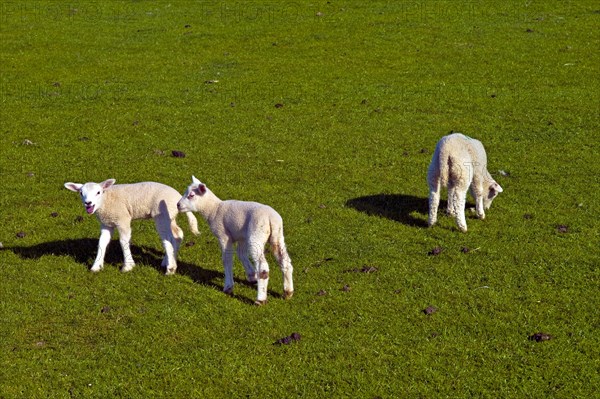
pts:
pixel 109 89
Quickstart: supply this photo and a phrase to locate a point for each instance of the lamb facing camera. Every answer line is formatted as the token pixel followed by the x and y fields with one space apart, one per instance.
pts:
pixel 250 225
pixel 116 205
pixel 460 164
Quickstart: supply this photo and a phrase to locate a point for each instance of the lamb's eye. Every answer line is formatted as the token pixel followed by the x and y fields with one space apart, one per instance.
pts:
pixel 191 195
pixel 98 193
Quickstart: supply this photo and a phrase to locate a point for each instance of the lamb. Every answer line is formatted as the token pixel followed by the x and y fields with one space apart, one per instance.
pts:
pixel 250 225
pixel 116 205
pixel 459 163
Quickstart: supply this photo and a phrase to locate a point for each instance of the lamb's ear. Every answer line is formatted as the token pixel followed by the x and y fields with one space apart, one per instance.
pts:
pixel 107 183
pixel 201 189
pixel 496 187
pixel 195 181
pixel 73 186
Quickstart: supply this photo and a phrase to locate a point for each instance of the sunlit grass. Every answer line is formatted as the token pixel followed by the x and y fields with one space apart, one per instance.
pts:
pixel 329 112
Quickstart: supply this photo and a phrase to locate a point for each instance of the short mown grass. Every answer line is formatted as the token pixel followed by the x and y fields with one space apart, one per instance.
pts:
pixel 329 112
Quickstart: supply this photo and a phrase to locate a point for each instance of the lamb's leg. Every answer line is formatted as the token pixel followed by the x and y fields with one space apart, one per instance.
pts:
pixel 242 253
pixel 163 227
pixel 434 201
pixel 257 254
pixel 105 235
pixel 285 264
pixel 452 200
pixel 459 209
pixel 227 256
pixel 177 236
pixel 479 205
pixel 125 239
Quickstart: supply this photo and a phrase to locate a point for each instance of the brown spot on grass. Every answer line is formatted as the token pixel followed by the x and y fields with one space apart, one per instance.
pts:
pixel 540 336
pixel 364 269
pixel 561 228
pixel 178 154
pixel 288 340
pixel 435 251
pixel 21 234
pixel 429 310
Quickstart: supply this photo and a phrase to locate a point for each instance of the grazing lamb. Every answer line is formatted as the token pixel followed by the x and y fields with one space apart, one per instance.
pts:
pixel 116 205
pixel 459 163
pixel 250 225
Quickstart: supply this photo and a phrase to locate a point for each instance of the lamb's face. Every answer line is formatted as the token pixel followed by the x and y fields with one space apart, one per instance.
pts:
pixel 188 203
pixel 92 194
pixel 493 190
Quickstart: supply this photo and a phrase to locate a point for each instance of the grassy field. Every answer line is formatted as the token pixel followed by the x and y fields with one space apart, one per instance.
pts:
pixel 328 111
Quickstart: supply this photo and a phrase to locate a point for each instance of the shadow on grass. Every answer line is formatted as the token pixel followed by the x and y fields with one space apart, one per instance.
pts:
pixel 396 207
pixel 84 250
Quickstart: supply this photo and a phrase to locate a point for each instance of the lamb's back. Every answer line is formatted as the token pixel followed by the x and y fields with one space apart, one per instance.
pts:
pixel 144 200
pixel 239 216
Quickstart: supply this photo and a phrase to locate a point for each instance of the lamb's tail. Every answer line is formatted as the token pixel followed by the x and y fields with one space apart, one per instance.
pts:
pixel 447 164
pixel 280 253
pixel 192 222
pixel 276 240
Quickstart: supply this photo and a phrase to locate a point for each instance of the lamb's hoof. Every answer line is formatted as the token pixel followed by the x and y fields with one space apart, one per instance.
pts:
pixel 170 271
pixel 462 229
pixel 288 294
pixel 260 303
pixel 127 267
pixel 228 291
pixel 96 269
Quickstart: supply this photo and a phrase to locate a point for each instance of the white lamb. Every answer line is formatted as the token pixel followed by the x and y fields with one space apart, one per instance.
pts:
pixel 250 225
pixel 459 163
pixel 116 205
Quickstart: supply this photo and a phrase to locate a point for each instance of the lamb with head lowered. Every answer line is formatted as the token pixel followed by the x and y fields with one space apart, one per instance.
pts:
pixel 116 205
pixel 250 225
pixel 460 163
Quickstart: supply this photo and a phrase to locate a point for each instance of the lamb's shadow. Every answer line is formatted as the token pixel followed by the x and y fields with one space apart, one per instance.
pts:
pixel 83 251
pixel 397 207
